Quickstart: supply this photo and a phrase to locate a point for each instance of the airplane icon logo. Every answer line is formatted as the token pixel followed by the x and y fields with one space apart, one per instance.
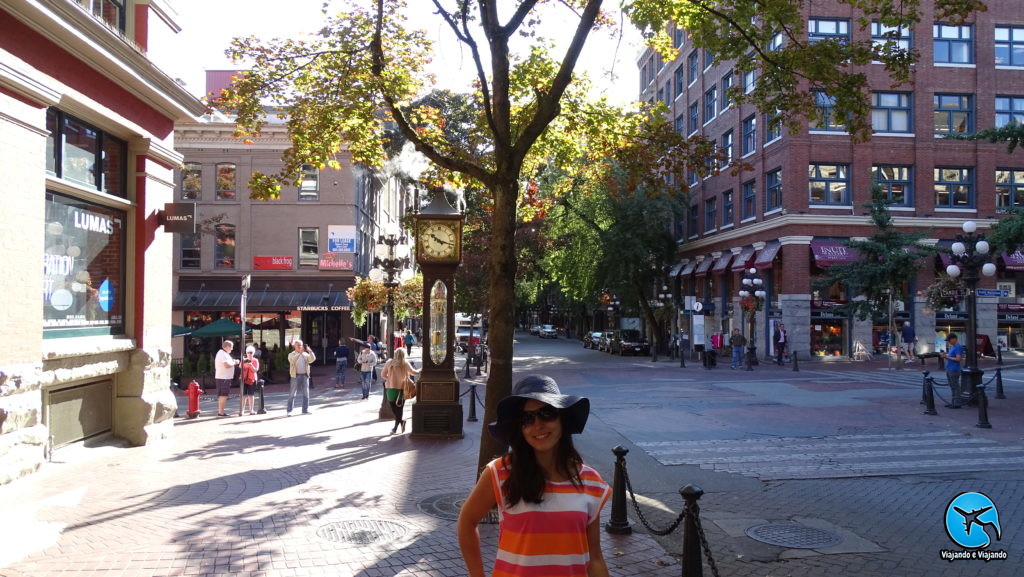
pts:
pixel 968 517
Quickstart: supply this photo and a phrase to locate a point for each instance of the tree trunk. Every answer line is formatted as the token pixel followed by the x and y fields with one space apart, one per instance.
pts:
pixel 502 310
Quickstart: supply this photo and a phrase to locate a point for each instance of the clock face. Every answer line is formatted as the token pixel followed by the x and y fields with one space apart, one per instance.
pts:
pixel 438 241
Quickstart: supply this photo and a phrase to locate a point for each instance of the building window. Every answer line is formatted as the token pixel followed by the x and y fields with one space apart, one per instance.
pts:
pixel 192 181
pixel 1009 109
pixel 691 221
pixel 679 37
pixel 898 37
pixel 826 109
pixel 775 43
pixel 110 12
pixel 710 214
pixel 727 208
pixel 309 183
pixel 680 80
pixel 954 188
pixel 953 44
pixel 828 183
pixel 680 123
pixel 890 112
pixel 709 58
pixel 309 247
pixel 710 103
pixel 190 250
pixel 692 65
pixel 226 181
pixel 726 90
pixel 954 113
pixel 224 246
pixel 661 94
pixel 749 200
pixel 83 268
pixel 727 147
pixel 1009 46
pixel 749 81
pixel 772 127
pixel 749 128
pixel 668 94
pixel 773 190
pixel 1009 189
pixel 694 118
pixel 77 152
pixel 819 29
pixel 652 72
pixel 895 181
pixel 691 177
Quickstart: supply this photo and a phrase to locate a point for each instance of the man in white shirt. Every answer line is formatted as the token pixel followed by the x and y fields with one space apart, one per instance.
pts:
pixel 224 373
pixel 300 362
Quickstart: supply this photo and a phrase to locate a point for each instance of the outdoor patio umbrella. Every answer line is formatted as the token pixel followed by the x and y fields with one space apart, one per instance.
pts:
pixel 179 331
pixel 220 328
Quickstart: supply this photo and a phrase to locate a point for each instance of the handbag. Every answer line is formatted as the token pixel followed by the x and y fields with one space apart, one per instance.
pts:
pixel 409 391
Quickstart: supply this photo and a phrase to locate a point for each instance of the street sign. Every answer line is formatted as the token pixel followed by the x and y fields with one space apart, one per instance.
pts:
pixel 698 306
pixel 993 293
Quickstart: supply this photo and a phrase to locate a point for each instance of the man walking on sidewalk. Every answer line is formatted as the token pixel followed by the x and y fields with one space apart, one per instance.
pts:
pixel 954 355
pixel 738 343
pixel 909 338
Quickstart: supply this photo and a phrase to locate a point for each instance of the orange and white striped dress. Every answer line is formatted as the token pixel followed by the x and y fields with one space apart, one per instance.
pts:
pixel 547 539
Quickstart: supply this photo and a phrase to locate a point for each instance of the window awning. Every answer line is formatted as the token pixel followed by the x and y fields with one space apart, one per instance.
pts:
pixel 743 259
pixel 702 268
pixel 1013 261
pixel 688 269
pixel 258 301
pixel 767 255
pixel 722 263
pixel 676 269
pixel 829 252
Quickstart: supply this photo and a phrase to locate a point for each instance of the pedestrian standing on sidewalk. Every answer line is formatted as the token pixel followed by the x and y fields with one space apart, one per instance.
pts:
pixel 549 503
pixel 954 355
pixel 224 373
pixel 909 339
pixel 781 339
pixel 409 340
pixel 366 362
pixel 396 373
pixel 738 343
pixel 300 362
pixel 250 374
pixel 375 347
pixel 341 353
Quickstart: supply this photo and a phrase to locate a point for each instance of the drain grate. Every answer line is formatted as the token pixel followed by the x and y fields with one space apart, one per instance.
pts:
pixel 362 531
pixel 447 506
pixel 793 536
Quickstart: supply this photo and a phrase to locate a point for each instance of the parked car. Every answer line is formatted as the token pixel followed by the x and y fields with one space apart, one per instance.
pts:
pixel 535 330
pixel 605 342
pixel 548 332
pixel 590 339
pixel 629 341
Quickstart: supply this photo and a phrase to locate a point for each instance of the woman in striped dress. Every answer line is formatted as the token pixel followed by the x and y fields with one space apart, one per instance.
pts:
pixel 549 503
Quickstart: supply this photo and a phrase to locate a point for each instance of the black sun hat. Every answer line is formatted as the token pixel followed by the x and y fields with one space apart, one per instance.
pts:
pixel 545 390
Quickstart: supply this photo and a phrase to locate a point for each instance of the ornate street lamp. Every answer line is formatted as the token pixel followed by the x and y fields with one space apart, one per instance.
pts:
pixel 390 266
pixel 664 299
pixel 751 298
pixel 971 254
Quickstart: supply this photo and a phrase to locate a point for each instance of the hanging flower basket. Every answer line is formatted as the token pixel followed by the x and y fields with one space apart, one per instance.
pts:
pixel 368 297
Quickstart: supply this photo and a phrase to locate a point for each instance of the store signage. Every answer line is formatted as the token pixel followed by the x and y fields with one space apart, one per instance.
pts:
pixel 1010 308
pixel 337 261
pixel 823 304
pixel 827 314
pixel 179 217
pixel 950 316
pixel 993 293
pixel 341 238
pixel 273 262
pixel 324 308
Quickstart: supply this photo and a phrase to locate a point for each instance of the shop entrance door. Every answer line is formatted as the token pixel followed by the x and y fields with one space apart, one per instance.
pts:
pixel 323 333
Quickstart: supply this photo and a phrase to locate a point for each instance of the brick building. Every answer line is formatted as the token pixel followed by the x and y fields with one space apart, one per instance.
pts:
pixel 789 216
pixel 301 251
pixel 86 148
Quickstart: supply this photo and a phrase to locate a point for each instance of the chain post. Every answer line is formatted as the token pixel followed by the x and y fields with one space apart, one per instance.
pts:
pixel 929 395
pixel 982 408
pixel 999 384
pixel 619 524
pixel 472 403
pixel 693 563
pixel 796 363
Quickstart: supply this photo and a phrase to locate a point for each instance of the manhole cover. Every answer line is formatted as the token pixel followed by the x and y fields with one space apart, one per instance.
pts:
pixel 793 536
pixel 447 506
pixel 362 531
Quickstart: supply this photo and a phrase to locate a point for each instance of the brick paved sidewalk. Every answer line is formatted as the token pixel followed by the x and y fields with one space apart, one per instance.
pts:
pixel 331 493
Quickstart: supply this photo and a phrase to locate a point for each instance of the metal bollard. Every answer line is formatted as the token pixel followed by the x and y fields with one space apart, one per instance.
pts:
pixel 982 408
pixel 682 359
pixel 796 363
pixel 693 562
pixel 472 403
pixel 924 375
pixel 259 385
pixel 999 354
pixel 999 384
pixel 619 524
pixel 929 395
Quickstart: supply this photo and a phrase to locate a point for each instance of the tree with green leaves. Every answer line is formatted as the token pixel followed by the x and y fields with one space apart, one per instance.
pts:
pixel 1012 134
pixel 338 91
pixel 888 260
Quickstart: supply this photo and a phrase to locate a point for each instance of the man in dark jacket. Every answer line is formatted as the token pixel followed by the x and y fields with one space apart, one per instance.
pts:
pixel 738 343
pixel 909 338
pixel 781 339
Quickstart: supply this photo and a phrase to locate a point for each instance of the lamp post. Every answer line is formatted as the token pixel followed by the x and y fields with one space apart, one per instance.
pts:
pixel 613 306
pixel 971 255
pixel 664 299
pixel 751 289
pixel 390 266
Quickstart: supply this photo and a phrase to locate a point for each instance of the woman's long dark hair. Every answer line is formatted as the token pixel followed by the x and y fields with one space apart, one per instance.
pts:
pixel 526 479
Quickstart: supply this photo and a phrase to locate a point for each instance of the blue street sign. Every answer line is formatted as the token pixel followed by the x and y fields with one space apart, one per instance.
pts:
pixel 993 293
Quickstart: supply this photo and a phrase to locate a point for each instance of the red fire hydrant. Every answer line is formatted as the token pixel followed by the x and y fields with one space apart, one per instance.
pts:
pixel 193 393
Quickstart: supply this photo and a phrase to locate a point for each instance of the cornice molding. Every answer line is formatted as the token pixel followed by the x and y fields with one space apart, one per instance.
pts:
pixel 25 84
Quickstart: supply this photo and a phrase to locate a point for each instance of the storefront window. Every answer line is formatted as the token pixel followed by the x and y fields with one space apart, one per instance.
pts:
pixel 83 268
pixel 828 338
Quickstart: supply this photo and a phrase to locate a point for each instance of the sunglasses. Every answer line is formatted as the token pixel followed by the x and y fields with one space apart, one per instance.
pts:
pixel 546 414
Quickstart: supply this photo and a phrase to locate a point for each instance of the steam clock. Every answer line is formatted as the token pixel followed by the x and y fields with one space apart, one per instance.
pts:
pixel 437 412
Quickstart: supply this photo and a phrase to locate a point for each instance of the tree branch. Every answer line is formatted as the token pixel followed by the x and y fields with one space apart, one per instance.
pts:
pixel 466 38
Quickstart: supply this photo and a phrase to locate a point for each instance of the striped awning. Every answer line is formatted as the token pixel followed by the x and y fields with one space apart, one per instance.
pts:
pixel 767 255
pixel 704 266
pixel 743 259
pixel 722 263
